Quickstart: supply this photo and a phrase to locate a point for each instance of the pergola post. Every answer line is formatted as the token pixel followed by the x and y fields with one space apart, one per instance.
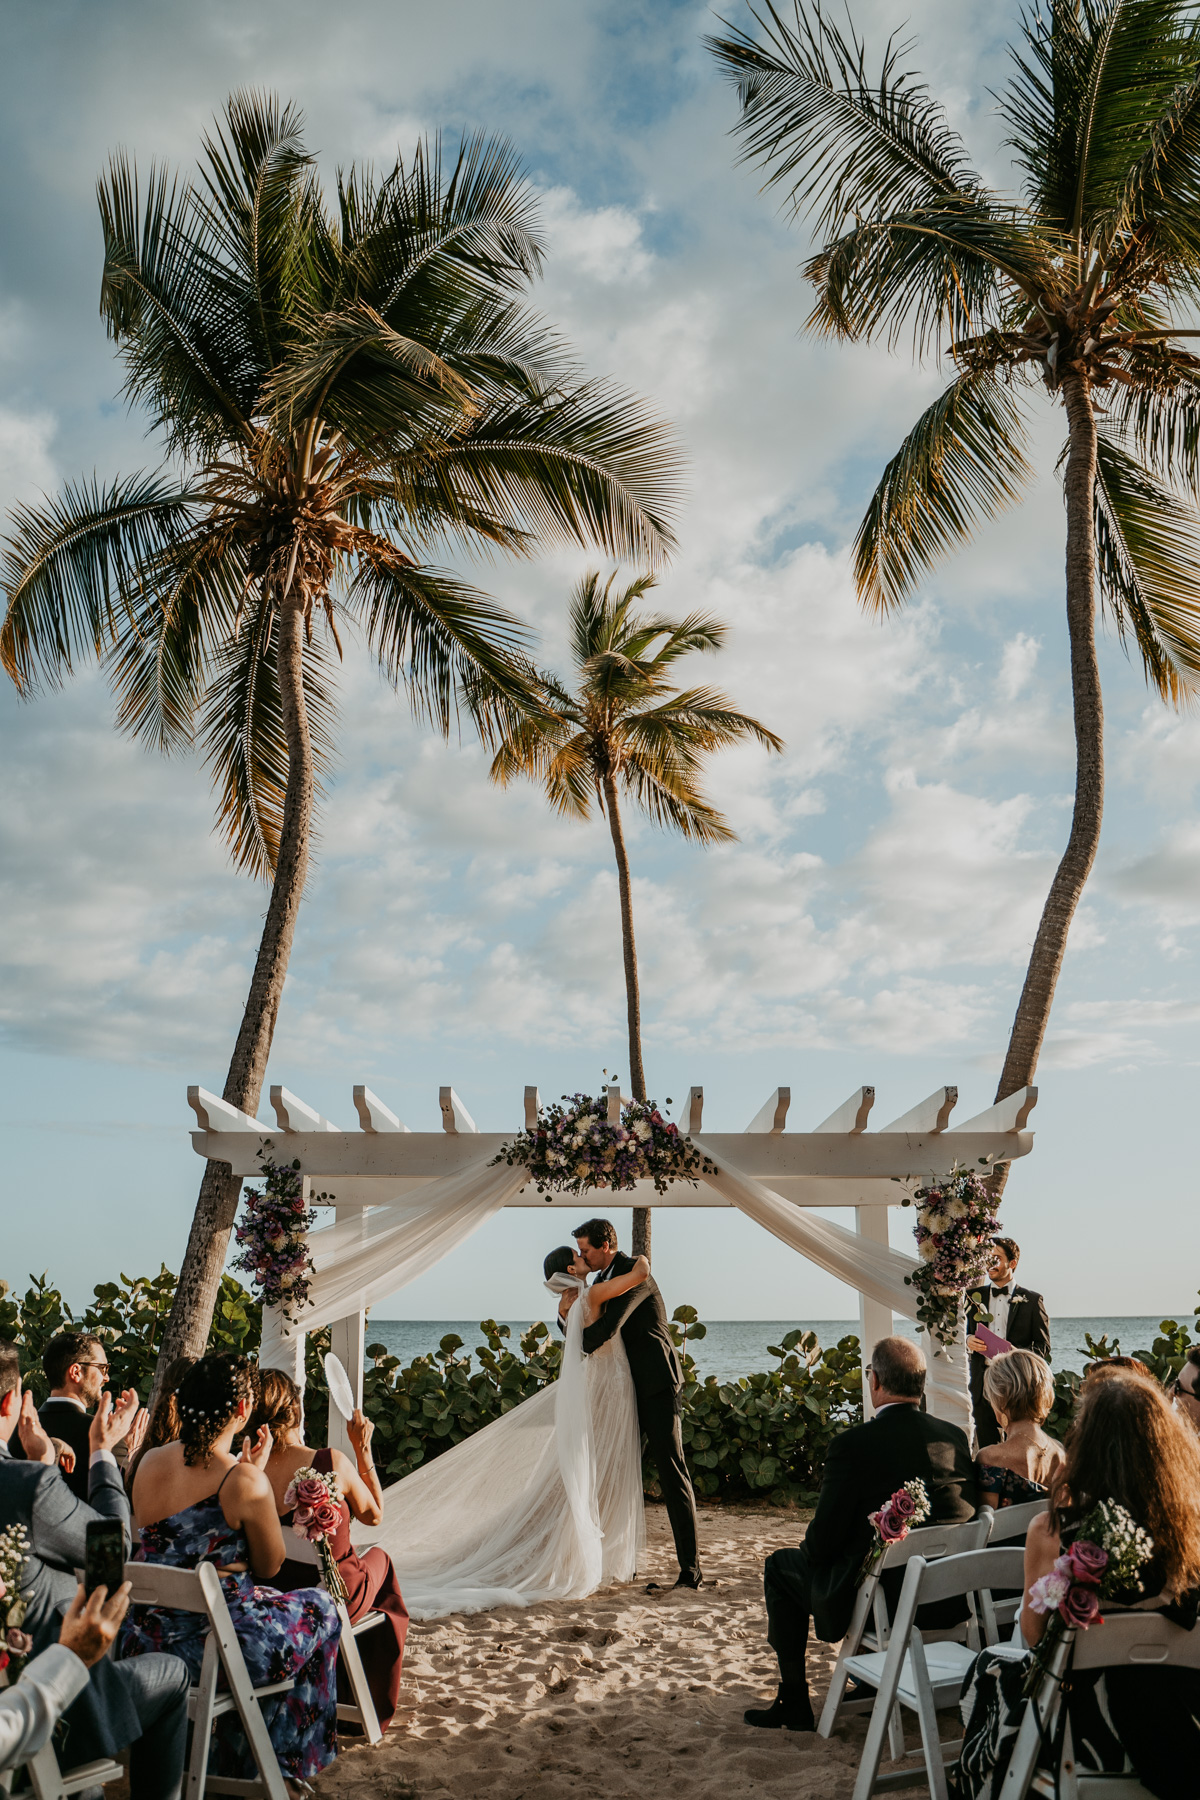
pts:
pixel 874 1320
pixel 348 1342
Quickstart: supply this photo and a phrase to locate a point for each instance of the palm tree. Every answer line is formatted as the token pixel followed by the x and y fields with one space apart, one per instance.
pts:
pixel 626 729
pixel 1072 285
pixel 339 394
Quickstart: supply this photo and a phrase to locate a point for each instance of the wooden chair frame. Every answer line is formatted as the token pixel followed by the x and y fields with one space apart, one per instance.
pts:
pixel 199 1590
pixel 363 1711
pixel 49 1782
pixel 869 1626
pixel 902 1676
pixel 1127 1638
pixel 1013 1522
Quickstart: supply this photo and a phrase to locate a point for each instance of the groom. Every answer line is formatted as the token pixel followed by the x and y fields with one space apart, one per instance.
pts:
pixel 641 1318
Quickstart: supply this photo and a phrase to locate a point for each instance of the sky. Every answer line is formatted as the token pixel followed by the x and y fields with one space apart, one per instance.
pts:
pixel 872 923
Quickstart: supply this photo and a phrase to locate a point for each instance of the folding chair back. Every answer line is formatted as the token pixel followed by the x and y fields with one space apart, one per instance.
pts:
pixel 922 1677
pixel 199 1591
pixel 49 1782
pixel 1014 1521
pixel 869 1627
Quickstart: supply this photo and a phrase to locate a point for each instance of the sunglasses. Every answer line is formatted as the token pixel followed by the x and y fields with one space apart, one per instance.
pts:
pixel 93 1365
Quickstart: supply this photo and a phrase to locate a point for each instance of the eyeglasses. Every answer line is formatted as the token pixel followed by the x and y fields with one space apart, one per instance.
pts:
pixel 93 1365
pixel 1186 1393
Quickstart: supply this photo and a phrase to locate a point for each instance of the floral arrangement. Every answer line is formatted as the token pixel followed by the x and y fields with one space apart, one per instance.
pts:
pixel 17 1644
pixel 316 1516
pixel 273 1236
pixel 1104 1562
pixel 573 1147
pixel 956 1221
pixel 908 1506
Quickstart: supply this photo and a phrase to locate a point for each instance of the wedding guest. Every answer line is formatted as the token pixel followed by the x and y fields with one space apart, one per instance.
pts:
pixel 369 1578
pixel 141 1706
pixel 76 1366
pixel 1017 1314
pixel 1128 1445
pixel 1019 1388
pixel 163 1424
pixel 865 1466
pixel 32 1706
pixel 196 1502
pixel 1186 1389
pixel 1114 1365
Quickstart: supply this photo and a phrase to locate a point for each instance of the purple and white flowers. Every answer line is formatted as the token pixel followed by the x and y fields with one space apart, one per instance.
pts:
pixel 15 1644
pixel 273 1236
pixel 956 1221
pixel 1104 1563
pixel 574 1147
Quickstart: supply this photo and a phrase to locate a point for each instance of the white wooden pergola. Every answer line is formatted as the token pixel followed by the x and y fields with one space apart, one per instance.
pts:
pixel 838 1163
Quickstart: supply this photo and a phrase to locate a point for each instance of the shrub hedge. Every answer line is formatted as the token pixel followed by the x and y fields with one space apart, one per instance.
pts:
pixel 762 1436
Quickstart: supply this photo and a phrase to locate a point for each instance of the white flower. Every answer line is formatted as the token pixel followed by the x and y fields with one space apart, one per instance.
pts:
pixel 642 1129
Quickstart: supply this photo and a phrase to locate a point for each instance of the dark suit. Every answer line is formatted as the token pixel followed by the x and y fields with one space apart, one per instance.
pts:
pixel 641 1318
pixel 62 1419
pixel 865 1466
pixel 1028 1328
pixel 142 1702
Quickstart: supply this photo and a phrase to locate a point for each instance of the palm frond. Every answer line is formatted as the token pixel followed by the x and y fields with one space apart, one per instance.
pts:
pixel 1148 568
pixel 664 789
pixel 702 718
pixel 963 461
pixel 74 567
pixel 1160 413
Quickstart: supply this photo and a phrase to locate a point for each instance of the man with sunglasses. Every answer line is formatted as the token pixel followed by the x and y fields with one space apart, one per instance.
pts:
pixel 76 1367
pixel 1185 1389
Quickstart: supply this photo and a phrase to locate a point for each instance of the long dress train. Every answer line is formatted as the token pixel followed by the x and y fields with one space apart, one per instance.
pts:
pixel 545 1503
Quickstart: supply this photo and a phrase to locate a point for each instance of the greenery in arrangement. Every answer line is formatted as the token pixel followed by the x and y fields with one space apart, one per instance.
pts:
pixel 625 730
pixel 763 1436
pixel 956 1222
pixel 273 1235
pixel 1078 288
pixel 343 388
pixel 574 1148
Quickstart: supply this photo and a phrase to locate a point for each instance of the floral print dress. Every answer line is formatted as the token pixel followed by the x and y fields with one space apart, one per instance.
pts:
pixel 282 1636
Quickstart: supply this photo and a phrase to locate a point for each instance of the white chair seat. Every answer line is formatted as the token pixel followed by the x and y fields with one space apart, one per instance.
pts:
pixel 368 1622
pixel 947 1663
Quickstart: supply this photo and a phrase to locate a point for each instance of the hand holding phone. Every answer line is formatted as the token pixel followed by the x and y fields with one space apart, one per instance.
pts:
pixel 104 1555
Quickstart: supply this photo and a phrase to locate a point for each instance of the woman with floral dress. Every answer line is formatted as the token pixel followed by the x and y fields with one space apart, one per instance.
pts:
pixel 195 1502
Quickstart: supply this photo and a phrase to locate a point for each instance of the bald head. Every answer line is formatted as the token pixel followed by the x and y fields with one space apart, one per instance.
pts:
pixel 899 1370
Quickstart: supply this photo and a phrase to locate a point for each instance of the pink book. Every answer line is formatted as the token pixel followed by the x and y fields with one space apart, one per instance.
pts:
pixel 996 1346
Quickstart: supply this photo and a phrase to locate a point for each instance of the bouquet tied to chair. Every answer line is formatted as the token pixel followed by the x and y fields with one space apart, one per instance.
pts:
pixel 316 1516
pixel 907 1508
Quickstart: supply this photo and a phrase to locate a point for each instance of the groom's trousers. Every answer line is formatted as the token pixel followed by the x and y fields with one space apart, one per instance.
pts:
pixel 658 1416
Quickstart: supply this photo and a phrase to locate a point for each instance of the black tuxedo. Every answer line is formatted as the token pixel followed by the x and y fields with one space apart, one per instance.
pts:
pixel 641 1318
pixel 60 1419
pixel 1028 1328
pixel 865 1466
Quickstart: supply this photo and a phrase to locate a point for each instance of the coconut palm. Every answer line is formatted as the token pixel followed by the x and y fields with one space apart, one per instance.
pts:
pixel 626 729
pixel 1075 286
pixel 340 394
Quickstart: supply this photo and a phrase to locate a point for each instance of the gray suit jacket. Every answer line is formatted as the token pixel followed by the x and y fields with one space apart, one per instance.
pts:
pixel 36 1496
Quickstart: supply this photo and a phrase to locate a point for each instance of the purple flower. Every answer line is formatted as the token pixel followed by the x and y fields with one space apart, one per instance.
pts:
pixel 1079 1606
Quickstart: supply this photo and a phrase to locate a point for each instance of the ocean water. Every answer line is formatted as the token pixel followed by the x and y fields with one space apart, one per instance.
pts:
pixel 736 1347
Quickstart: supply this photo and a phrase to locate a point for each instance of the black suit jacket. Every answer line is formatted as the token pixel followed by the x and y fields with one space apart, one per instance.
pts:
pixel 1028 1328
pixel 641 1318
pixel 62 1420
pixel 864 1467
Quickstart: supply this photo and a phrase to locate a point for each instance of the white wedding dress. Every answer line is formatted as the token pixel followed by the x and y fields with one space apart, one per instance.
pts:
pixel 545 1503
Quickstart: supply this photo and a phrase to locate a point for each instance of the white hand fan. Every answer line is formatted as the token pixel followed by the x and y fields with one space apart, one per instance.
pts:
pixel 340 1391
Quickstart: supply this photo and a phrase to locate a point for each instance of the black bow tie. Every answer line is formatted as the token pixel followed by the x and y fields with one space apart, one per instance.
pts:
pixel 1006 1291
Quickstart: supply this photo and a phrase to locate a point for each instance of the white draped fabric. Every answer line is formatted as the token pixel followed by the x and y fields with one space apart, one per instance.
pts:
pixel 362 1258
pixel 545 1503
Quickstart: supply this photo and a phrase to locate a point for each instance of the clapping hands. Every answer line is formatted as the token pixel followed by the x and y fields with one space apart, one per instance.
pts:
pixel 115 1419
pixel 257 1451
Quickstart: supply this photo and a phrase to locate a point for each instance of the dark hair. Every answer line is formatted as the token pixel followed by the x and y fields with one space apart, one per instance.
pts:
pixel 1010 1247
pixel 899 1367
pixel 67 1348
pixel 207 1398
pixel 280 1405
pixel 1193 1356
pixel 1117 1365
pixel 163 1425
pixel 601 1234
pixel 10 1367
pixel 1128 1444
pixel 558 1261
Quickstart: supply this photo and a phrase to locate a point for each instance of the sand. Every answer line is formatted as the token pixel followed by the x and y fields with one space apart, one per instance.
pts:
pixel 627 1694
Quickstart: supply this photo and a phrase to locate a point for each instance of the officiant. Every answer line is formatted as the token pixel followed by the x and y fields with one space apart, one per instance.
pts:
pixel 1018 1315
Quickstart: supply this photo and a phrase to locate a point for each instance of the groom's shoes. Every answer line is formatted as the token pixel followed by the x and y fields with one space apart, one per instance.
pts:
pixel 685 1581
pixel 791 1710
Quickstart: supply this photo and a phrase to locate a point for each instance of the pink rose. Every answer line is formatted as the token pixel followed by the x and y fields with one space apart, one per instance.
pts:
pixel 326 1516
pixel 1048 1593
pixel 309 1491
pixel 891 1529
pixel 1087 1562
pixel 301 1516
pixel 1079 1607
pixel 19 1642
pixel 903 1504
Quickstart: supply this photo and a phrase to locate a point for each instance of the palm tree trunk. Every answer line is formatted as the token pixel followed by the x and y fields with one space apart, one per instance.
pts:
pixel 204 1260
pixel 1045 962
pixel 633 1004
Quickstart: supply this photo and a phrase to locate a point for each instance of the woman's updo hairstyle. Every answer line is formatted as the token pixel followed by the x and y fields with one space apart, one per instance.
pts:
pixel 559 1261
pixel 1019 1384
pixel 208 1397
pixel 279 1408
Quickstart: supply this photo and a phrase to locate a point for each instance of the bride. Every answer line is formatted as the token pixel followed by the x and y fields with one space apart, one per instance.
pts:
pixel 545 1503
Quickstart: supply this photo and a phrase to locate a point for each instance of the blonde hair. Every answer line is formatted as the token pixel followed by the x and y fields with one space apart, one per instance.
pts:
pixel 1019 1385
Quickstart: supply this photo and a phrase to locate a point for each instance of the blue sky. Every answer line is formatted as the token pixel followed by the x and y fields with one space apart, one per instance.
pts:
pixel 872 923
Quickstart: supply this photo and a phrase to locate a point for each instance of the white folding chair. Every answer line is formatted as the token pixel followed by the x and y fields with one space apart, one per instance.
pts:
pixel 49 1782
pixel 199 1590
pixel 363 1710
pixel 924 1675
pixel 1118 1640
pixel 869 1628
pixel 1012 1522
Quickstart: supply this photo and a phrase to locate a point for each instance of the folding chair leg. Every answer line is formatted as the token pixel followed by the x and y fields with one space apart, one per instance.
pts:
pixel 261 1747
pixel 896 1745
pixel 837 1693
pixel 44 1774
pixel 357 1676
pixel 931 1737
pixel 202 1723
pixel 881 1712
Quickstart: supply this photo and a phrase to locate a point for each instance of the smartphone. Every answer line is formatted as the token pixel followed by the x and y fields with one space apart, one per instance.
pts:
pixel 104 1555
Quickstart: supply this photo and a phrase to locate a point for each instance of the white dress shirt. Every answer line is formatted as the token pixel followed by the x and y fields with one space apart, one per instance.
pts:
pixel 998 1307
pixel 31 1709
